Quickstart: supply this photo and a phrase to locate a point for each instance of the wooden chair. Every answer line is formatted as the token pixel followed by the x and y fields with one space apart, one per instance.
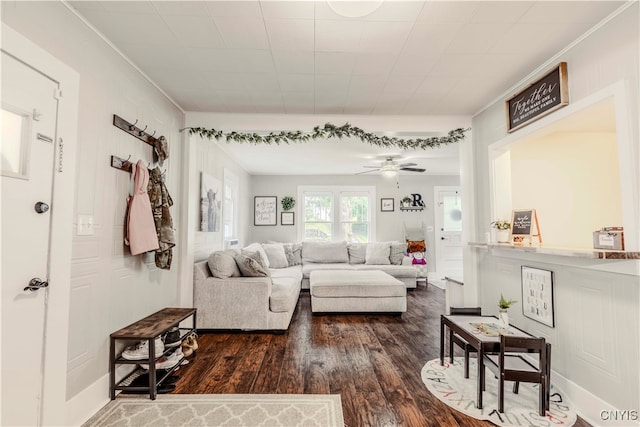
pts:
pixel 457 339
pixel 511 365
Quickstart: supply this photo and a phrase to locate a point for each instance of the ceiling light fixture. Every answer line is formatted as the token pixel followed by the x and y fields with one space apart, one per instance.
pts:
pixel 389 170
pixel 354 8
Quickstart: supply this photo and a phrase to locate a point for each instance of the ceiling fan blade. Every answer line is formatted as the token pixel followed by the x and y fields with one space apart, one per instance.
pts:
pixel 375 167
pixel 407 164
pixel 413 169
pixel 372 170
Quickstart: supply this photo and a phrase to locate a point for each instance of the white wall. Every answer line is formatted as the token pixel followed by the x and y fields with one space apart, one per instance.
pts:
pixel 389 225
pixel 109 287
pixel 595 340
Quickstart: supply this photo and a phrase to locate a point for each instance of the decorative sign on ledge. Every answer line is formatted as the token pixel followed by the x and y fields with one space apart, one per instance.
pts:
pixel 540 98
pixel 413 203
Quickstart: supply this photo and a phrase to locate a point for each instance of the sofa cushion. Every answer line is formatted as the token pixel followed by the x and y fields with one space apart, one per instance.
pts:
pixel 284 294
pixel 357 252
pixel 397 271
pixel 293 272
pixel 293 252
pixel 307 268
pixel 324 252
pixel 223 265
pixel 365 284
pixel 378 253
pixel 276 255
pixel 250 267
pixel 257 247
pixel 398 252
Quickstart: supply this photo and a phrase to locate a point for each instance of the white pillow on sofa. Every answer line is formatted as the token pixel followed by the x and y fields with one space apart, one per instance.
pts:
pixel 324 252
pixel 276 255
pixel 223 265
pixel 257 247
pixel 357 253
pixel 378 253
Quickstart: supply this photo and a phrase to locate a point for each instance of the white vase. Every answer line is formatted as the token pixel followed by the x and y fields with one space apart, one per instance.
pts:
pixel 502 236
pixel 503 318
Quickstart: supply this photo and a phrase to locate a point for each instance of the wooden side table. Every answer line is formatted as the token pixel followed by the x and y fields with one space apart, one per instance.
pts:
pixel 148 329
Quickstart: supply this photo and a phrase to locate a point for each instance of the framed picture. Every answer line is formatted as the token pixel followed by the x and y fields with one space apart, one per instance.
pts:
pixel 264 210
pixel 537 295
pixel 286 218
pixel 387 205
pixel 210 203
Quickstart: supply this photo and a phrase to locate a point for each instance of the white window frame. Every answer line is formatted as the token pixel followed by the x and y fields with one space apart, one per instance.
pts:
pixel 336 191
pixel 230 180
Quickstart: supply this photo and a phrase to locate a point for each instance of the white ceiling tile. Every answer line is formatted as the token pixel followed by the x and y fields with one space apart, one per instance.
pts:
pixel 396 11
pixel 290 34
pixel 129 7
pixel 242 9
pixel 128 28
pixel 193 8
pixel 146 56
pixel 366 84
pixel 224 81
pixel 409 63
pixel 435 86
pixel 261 82
pixel 288 9
pixel 298 102
pixel 83 5
pixel 500 11
pixel 383 36
pixel 477 38
pixel 242 33
pixel 296 82
pixel 230 60
pixel 455 65
pixel 290 62
pixel 268 102
pixel 405 84
pixel 447 12
pixel 432 38
pixel 564 12
pixel 374 63
pixel 194 31
pixel 337 36
pixel 189 80
pixel 331 83
pixel 334 62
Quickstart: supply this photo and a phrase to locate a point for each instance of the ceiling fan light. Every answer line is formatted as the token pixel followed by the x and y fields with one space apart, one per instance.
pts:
pixel 389 172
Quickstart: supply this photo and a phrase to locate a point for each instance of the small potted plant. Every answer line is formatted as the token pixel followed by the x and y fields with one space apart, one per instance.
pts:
pixel 503 314
pixel 405 202
pixel 288 203
pixel 502 230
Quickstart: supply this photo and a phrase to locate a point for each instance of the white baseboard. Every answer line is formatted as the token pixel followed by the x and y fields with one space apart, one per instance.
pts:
pixel 89 401
pixel 593 409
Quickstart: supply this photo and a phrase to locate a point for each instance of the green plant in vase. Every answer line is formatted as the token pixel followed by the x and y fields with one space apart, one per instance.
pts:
pixel 503 314
pixel 287 203
pixel 502 230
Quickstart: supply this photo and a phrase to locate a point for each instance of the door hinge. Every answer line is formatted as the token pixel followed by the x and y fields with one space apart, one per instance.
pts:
pixel 57 93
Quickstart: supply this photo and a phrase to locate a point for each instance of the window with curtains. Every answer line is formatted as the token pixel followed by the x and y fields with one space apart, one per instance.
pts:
pixel 337 213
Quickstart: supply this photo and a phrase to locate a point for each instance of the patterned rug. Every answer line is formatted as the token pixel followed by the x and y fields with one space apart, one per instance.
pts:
pixel 448 384
pixel 241 410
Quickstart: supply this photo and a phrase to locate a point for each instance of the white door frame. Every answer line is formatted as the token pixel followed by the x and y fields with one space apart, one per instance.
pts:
pixel 63 196
pixel 437 220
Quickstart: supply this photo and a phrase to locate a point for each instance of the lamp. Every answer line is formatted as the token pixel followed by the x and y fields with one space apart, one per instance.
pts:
pixel 354 8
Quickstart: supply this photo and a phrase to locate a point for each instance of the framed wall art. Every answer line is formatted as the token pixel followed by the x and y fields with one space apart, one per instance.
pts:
pixel 387 205
pixel 537 295
pixel 286 218
pixel 210 203
pixel 265 210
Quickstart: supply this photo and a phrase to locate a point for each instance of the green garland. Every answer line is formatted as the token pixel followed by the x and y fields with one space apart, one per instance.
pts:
pixel 330 131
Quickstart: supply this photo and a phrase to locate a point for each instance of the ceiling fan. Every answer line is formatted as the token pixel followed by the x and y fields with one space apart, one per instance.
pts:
pixel 390 168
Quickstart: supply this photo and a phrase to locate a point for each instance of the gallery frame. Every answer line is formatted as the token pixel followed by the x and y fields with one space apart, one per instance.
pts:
pixel 387 205
pixel 537 295
pixel 287 218
pixel 265 210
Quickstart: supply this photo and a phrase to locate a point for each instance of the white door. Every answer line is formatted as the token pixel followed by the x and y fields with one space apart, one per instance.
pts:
pixel 448 222
pixel 29 110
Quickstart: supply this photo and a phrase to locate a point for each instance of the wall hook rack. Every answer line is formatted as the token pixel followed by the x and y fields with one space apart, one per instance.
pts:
pixel 122 164
pixel 132 130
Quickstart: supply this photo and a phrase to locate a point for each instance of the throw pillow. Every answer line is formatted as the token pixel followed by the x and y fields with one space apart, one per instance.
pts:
pixel 416 246
pixel 293 252
pixel 276 255
pixel 223 265
pixel 255 255
pixel 357 252
pixel 258 248
pixel 249 267
pixel 378 253
pixel 398 251
pixel 325 252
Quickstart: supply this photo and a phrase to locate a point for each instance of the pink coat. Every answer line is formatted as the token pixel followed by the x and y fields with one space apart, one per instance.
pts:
pixel 141 230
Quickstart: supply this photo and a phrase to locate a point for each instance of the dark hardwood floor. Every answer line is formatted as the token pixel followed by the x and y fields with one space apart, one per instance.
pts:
pixel 373 361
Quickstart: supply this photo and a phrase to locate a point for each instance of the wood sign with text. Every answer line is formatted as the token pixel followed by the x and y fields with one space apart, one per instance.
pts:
pixel 523 225
pixel 538 99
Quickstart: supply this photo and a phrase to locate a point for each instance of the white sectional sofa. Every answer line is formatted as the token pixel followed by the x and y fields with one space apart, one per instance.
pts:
pixel 228 300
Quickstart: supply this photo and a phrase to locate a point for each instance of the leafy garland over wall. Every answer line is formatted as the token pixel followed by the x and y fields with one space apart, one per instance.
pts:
pixel 330 131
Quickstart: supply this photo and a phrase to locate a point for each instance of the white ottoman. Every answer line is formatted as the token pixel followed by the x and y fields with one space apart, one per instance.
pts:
pixel 353 291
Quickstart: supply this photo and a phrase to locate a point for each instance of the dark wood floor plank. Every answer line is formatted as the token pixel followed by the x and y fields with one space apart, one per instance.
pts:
pixel 374 361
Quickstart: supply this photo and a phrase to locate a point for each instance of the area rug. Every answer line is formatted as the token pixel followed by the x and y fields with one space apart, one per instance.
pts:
pixel 241 410
pixel 448 384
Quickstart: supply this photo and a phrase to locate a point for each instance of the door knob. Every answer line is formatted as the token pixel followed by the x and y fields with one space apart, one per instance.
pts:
pixel 443 238
pixel 41 207
pixel 36 284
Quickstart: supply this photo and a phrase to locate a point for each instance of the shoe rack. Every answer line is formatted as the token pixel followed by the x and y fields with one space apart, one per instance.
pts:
pixel 147 329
